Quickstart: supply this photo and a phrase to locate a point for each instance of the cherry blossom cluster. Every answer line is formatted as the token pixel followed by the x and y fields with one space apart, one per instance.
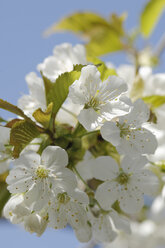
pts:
pixel 47 192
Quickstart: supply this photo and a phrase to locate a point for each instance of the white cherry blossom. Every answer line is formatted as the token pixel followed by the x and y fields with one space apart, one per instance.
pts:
pixel 15 209
pixel 5 149
pixel 101 100
pixel 36 98
pixel 39 177
pixel 126 184
pixel 17 212
pixel 106 226
pixel 128 134
pixel 63 59
pixel 36 223
pixel 145 234
pixel 71 209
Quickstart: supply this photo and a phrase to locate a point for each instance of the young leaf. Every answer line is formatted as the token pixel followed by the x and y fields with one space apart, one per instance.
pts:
pixel 4 196
pixel 57 92
pixel 13 109
pixel 101 66
pixel 22 133
pixel 137 88
pixel 12 122
pixel 104 36
pixel 86 23
pixel 2 120
pixel 150 16
pixel 116 22
pixel 154 101
pixel 43 117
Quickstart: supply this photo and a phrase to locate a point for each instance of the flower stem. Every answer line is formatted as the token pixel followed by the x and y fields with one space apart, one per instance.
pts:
pixel 80 177
pixel 69 112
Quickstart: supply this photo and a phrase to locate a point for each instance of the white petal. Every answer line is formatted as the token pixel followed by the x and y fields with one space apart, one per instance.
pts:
pixel 78 94
pixel 139 142
pixel 34 223
pixel 77 218
pixel 111 133
pixel 145 141
pixel 15 209
pixel 131 201
pixel 79 196
pixel 11 205
pixel 138 115
pixel 130 165
pixel 114 109
pixel 84 166
pixel 114 85
pixel 38 196
pixel 19 180
pixel 65 179
pixel 36 87
pixel 102 228
pixel 120 222
pixel 89 119
pixel 127 72
pixel 57 217
pixel 52 67
pixel 29 159
pixel 104 168
pixel 83 234
pixel 90 78
pixel 65 52
pixel 54 156
pixel 146 182
pixel 107 194
pixel 4 135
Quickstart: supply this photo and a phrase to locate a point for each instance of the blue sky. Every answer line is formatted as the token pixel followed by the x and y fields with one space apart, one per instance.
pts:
pixel 23 47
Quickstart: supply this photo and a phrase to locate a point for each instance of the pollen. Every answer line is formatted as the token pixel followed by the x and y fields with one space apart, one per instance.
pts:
pixel 123 178
pixel 41 172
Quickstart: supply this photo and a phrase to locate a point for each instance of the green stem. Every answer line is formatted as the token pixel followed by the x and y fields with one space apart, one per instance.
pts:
pixel 91 190
pixel 92 132
pixel 69 112
pixel 80 177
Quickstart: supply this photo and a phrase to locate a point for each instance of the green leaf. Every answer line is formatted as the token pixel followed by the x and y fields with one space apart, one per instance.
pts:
pixel 104 36
pixel 137 88
pixel 22 133
pixel 43 117
pixel 4 193
pixel 78 67
pixel 103 69
pixel 4 196
pixel 106 43
pixel 151 15
pixel 116 22
pixel 13 109
pixel 12 122
pixel 154 101
pixel 45 142
pixel 57 92
pixel 161 165
pixel 2 120
pixel 87 23
pixel 79 131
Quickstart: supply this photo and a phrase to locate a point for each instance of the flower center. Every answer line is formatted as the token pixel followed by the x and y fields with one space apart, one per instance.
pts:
pixel 41 172
pixel 63 198
pixel 94 102
pixel 123 178
pixel 125 130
